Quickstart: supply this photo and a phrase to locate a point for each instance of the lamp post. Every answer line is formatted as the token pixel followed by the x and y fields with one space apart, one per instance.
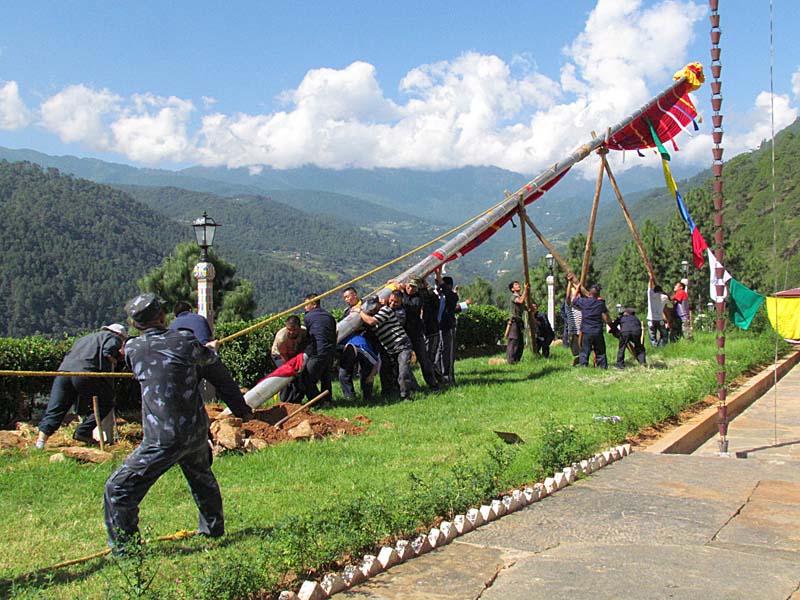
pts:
pixel 551 297
pixel 204 229
pixel 685 282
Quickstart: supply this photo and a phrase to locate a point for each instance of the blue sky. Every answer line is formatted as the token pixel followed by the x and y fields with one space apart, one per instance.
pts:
pixel 428 85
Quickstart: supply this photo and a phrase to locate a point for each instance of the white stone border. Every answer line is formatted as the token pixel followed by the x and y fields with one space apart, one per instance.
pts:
pixel 404 550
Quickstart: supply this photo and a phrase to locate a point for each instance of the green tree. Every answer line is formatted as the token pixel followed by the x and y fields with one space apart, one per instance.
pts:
pixel 173 280
pixel 480 291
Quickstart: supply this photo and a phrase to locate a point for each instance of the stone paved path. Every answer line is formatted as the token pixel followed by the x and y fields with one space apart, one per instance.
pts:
pixel 648 526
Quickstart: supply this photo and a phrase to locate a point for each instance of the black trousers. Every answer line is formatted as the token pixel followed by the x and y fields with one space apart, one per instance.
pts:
pixel 69 391
pixel 129 484
pixel 516 342
pixel 596 342
pixel 634 339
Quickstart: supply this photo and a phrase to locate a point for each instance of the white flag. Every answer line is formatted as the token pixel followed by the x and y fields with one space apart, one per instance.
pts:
pixel 713 263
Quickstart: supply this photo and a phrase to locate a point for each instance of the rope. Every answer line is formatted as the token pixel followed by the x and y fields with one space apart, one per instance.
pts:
pixel 288 311
pixel 178 535
pixel 63 374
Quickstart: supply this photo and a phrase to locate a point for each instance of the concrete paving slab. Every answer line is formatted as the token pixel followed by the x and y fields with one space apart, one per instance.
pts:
pixel 642 572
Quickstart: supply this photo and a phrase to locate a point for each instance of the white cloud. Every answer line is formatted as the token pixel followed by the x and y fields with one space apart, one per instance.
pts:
pixel 475 109
pixel 13 112
pixel 78 114
pixel 154 129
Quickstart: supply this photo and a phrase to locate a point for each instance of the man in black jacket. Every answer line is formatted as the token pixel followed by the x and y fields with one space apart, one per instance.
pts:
pixel 97 352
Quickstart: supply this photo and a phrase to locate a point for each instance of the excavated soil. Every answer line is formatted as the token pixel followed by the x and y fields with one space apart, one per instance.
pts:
pixel 262 425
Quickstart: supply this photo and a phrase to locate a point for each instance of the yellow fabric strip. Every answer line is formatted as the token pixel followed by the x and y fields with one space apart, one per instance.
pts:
pixel 784 315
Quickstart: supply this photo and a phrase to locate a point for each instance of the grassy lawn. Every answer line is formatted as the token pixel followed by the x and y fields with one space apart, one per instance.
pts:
pixel 53 512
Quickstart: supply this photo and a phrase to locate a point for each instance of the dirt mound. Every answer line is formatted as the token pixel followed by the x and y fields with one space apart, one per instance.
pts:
pixel 261 426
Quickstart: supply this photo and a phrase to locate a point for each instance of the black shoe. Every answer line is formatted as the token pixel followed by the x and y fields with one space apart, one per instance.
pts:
pixel 88 440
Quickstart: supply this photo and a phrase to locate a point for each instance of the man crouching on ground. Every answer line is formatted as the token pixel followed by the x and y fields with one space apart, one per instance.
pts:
pixel 175 424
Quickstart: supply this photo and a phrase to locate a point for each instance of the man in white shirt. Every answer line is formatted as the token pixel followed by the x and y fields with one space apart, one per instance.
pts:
pixel 656 323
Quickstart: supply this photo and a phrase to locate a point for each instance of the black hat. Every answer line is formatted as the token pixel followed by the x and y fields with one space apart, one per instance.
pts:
pixel 595 286
pixel 144 308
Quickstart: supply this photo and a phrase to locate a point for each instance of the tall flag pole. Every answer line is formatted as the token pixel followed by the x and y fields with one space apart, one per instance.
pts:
pixel 719 201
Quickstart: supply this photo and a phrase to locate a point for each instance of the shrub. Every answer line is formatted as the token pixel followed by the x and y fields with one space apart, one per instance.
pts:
pixel 480 329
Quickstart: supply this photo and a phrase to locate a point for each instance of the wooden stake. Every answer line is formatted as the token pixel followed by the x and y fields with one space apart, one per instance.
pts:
pixel 529 310
pixel 302 408
pixel 628 218
pixel 96 409
pixel 602 151
pixel 561 262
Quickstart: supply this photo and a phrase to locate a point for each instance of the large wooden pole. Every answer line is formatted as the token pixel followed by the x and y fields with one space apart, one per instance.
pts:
pixel 628 218
pixel 602 151
pixel 526 269
pixel 561 262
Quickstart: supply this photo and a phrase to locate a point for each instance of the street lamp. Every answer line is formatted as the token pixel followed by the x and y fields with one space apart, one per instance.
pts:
pixel 204 229
pixel 550 260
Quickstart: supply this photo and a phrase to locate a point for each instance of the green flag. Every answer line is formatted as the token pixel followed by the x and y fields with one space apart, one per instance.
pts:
pixel 743 304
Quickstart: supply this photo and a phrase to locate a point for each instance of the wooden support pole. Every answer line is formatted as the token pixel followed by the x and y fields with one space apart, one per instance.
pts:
pixel 96 409
pixel 601 151
pixel 526 270
pixel 628 218
pixel 561 262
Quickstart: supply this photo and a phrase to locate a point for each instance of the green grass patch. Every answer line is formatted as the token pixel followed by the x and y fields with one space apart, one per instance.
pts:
pixel 297 509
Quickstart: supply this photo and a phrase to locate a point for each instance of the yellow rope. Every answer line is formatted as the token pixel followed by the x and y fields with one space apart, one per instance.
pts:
pixel 178 535
pixel 288 311
pixel 62 374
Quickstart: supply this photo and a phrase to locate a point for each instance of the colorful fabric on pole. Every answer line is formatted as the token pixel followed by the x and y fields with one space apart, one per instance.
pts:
pixel 670 115
pixel 699 244
pixel 743 304
pixel 784 315
pixel 713 263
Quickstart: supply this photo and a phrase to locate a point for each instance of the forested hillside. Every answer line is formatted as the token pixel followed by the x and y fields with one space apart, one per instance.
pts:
pixel 72 250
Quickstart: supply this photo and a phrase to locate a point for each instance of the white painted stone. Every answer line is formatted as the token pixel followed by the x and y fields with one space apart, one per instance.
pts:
pixel 569 473
pixel 560 479
pixel 403 550
pixel 421 544
pixel 486 513
pixel 549 485
pixel 538 488
pixel 527 494
pixel 585 467
pixel 311 590
pixel 517 499
pixel 332 584
pixel 370 565
pixel 387 557
pixel 498 509
pixel 615 453
pixel 462 524
pixel 600 460
pixel 448 531
pixel 435 537
pixel 287 595
pixel 607 456
pixel 627 449
pixel 352 575
pixel 475 517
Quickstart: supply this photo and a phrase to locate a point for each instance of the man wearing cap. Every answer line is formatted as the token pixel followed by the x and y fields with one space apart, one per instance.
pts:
pixel 216 373
pixel 593 315
pixel 98 352
pixel 165 363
